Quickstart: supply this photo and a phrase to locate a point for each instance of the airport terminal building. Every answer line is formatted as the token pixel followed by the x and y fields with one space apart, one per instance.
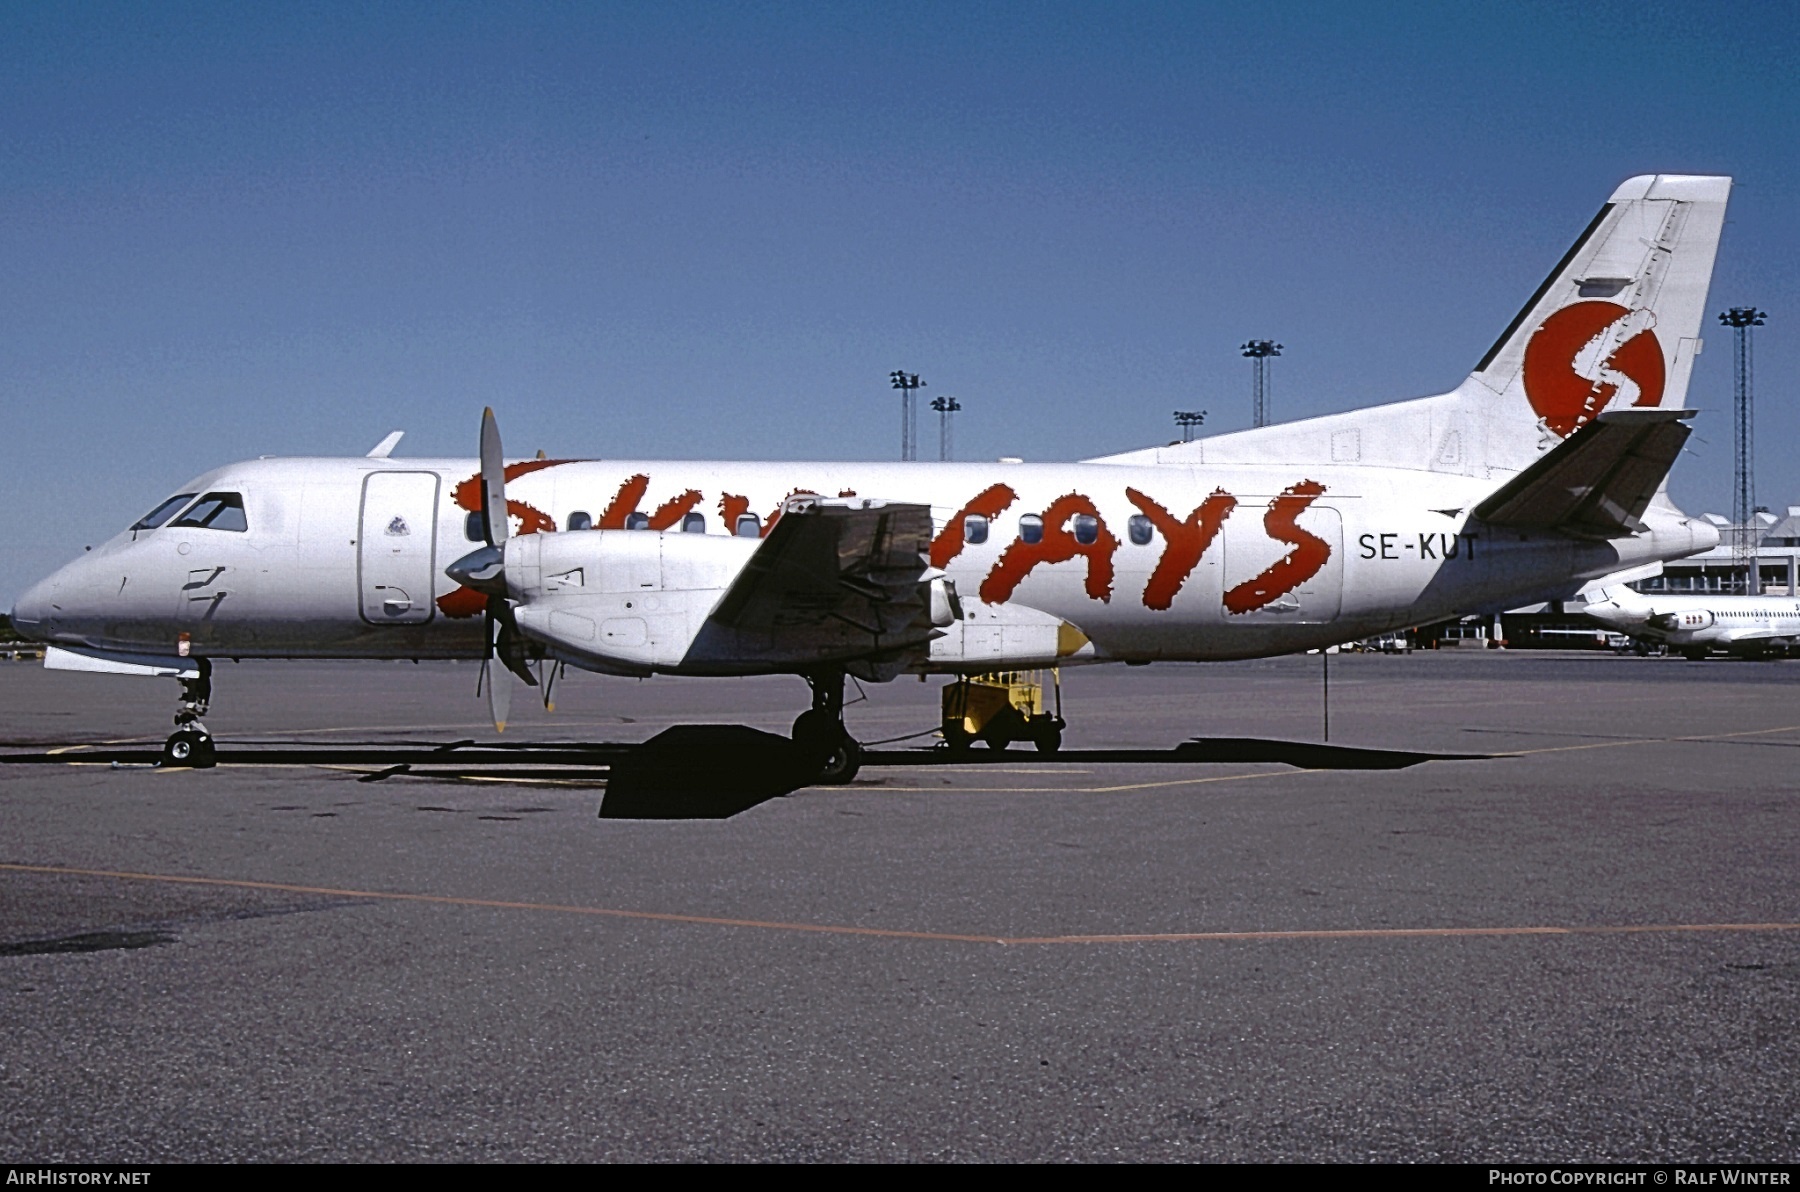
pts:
pixel 1777 559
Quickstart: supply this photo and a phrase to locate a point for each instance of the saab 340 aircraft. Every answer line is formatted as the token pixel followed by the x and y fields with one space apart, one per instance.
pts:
pixel 1542 470
pixel 1749 626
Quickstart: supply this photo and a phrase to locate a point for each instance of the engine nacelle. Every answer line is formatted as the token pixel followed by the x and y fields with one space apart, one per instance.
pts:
pixel 1686 621
pixel 632 600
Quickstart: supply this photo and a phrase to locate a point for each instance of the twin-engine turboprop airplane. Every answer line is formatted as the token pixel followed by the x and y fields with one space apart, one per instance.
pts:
pixel 1748 626
pixel 1542 470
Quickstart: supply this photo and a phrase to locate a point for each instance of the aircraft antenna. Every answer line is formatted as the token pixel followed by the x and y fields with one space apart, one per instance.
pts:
pixel 1747 532
pixel 946 407
pixel 1259 351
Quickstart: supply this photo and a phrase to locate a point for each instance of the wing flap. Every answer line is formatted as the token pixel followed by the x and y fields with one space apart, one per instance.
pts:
pixel 1597 482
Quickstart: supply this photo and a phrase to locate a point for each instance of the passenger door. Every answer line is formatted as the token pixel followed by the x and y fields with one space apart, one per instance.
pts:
pixel 397 547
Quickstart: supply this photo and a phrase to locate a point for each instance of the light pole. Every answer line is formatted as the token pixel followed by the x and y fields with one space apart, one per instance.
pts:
pixel 1259 351
pixel 1187 420
pixel 945 406
pixel 908 384
pixel 1743 498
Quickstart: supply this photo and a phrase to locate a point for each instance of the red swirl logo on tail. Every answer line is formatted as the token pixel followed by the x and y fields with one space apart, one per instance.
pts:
pixel 1564 398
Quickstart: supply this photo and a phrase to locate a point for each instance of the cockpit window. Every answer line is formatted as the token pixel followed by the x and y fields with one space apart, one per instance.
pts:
pixel 215 511
pixel 162 512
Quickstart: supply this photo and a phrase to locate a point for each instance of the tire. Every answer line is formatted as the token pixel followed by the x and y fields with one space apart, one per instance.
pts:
pixel 840 757
pixel 956 738
pixel 1694 653
pixel 189 749
pixel 1047 736
pixel 841 763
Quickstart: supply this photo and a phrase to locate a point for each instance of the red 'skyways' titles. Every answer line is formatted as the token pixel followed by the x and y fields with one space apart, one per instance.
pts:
pixel 1298 565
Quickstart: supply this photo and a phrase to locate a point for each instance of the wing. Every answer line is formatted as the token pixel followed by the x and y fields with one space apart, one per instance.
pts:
pixel 833 581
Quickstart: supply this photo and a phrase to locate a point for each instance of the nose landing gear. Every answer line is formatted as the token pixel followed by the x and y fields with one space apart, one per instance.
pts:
pixel 820 731
pixel 191 745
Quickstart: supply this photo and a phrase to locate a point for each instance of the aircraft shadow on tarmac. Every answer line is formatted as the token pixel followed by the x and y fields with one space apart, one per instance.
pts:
pixel 714 771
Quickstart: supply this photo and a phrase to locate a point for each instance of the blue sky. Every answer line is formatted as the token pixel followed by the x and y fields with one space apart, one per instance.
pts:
pixel 711 230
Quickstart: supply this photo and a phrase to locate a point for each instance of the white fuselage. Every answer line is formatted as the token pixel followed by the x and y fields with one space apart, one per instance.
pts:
pixel 345 557
pixel 1711 621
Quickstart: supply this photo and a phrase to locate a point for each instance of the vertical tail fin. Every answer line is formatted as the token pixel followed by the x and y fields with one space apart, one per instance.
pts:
pixel 1616 324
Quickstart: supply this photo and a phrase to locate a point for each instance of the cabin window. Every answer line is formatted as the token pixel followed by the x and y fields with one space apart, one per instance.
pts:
pixel 162 512
pixel 1087 528
pixel 748 526
pixel 637 521
pixel 215 511
pixel 581 520
pixel 694 523
pixel 473 528
pixel 975 528
pixel 1140 529
pixel 1031 528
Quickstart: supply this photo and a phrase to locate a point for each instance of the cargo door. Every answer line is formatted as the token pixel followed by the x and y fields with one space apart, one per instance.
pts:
pixel 397 547
pixel 1284 567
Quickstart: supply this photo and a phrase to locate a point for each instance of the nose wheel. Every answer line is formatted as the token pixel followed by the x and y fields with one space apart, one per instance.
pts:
pixel 820 732
pixel 191 745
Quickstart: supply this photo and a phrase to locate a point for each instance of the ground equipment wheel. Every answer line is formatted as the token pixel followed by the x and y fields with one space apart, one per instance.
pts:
pixel 1047 736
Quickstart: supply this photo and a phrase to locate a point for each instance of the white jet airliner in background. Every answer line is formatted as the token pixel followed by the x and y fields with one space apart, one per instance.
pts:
pixel 1694 626
pixel 1543 470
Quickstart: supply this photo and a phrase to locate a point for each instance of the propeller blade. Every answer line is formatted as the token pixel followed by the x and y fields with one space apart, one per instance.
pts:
pixel 508 644
pixel 493 480
pixel 551 676
pixel 499 700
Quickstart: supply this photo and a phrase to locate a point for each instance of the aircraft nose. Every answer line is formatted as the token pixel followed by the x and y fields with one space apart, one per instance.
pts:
pixel 32 612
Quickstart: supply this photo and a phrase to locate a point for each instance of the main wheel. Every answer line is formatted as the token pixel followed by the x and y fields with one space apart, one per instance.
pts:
pixel 1694 653
pixel 189 747
pixel 840 757
pixel 841 763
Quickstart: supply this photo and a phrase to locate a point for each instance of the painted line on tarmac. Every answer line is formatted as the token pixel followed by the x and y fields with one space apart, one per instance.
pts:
pixel 1702 737
pixel 1149 937
pixel 1087 790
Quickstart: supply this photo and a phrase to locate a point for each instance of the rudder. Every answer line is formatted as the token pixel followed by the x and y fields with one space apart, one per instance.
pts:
pixel 1615 325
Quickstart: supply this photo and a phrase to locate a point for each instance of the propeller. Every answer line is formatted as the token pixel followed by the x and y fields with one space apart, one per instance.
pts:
pixel 484 570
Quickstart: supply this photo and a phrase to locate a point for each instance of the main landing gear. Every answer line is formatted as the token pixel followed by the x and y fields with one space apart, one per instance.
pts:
pixel 820 731
pixel 190 744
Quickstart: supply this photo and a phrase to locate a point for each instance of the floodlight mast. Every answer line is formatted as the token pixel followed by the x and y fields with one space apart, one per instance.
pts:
pixel 1259 351
pixel 946 407
pixel 1188 420
pixel 1747 533
pixel 908 384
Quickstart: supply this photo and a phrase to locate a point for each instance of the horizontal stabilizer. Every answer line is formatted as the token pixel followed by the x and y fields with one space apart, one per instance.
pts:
pixel 1597 482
